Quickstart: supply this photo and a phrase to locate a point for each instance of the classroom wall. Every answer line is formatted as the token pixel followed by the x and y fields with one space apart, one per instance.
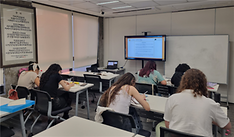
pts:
pixel 197 22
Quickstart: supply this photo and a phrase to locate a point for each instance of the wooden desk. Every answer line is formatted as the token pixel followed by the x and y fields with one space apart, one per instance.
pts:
pixel 80 127
pixel 108 76
pixel 5 115
pixel 78 90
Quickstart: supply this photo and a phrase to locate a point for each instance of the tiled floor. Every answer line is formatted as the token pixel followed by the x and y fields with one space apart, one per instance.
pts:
pixel 41 125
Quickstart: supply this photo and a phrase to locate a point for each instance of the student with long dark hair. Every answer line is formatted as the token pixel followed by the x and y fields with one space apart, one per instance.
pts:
pixel 150 75
pixel 118 97
pixel 190 111
pixel 50 81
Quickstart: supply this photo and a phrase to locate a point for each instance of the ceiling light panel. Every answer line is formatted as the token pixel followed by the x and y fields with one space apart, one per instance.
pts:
pixel 122 7
pixel 108 2
pixel 144 4
pixel 113 5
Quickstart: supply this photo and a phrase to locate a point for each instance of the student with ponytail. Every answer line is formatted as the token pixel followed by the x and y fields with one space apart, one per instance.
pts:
pixel 29 78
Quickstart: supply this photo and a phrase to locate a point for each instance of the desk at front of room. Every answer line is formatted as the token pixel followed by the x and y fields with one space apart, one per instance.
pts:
pixel 119 71
pixel 107 77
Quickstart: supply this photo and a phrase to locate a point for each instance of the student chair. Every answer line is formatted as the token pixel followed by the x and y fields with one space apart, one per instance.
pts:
pixel 43 105
pixel 6 132
pixel 215 96
pixel 96 80
pixel 22 92
pixel 123 121
pixel 163 90
pixel 143 87
pixel 166 132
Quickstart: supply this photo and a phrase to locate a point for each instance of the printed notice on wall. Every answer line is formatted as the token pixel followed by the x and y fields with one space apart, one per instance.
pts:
pixel 18 35
pixel 18 40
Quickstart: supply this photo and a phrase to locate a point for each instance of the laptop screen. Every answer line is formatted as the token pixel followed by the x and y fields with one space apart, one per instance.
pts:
pixel 112 64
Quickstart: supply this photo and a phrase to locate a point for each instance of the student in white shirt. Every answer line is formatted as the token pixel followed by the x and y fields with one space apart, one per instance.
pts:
pixel 190 110
pixel 118 97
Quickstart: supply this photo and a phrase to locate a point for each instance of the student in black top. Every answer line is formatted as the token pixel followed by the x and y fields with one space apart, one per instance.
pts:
pixel 179 72
pixel 50 81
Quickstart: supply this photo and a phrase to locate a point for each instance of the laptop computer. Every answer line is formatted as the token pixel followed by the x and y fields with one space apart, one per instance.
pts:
pixel 112 64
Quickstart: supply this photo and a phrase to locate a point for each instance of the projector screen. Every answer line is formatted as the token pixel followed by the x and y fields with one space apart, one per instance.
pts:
pixel 145 47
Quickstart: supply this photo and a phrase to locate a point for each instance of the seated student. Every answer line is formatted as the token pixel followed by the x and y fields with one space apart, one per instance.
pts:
pixel 190 111
pixel 150 75
pixel 118 97
pixel 50 81
pixel 30 77
pixel 179 72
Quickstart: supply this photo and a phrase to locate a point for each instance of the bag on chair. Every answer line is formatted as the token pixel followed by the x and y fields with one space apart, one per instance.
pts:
pixel 12 94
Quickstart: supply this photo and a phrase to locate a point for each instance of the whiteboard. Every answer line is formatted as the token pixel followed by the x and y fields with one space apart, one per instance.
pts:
pixel 1 76
pixel 208 53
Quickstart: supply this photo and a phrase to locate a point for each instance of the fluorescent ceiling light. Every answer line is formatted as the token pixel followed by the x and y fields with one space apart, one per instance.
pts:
pixel 122 7
pixel 109 2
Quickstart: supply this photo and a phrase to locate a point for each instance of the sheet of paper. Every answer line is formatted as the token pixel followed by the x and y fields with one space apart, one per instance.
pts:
pixel 17 102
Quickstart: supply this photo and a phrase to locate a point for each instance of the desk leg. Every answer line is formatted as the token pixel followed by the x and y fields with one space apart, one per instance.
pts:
pixel 77 100
pixel 87 97
pixel 22 124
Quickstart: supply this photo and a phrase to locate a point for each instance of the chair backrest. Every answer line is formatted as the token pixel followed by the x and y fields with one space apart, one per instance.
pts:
pixel 215 96
pixel 118 120
pixel 94 79
pixel 22 92
pixel 163 89
pixel 166 132
pixel 42 101
pixel 143 87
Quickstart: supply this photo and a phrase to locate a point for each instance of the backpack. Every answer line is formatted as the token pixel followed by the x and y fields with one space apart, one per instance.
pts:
pixel 12 94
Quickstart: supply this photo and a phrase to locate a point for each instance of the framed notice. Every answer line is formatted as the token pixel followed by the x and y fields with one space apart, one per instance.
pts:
pixel 18 35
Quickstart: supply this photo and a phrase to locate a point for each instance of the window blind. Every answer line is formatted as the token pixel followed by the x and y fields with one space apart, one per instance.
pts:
pixel 54 36
pixel 85 39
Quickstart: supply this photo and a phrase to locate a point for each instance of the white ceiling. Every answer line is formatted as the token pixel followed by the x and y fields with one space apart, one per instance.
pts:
pixel 137 6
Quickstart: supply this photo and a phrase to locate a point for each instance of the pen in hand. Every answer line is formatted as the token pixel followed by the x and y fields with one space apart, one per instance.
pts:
pixel 145 95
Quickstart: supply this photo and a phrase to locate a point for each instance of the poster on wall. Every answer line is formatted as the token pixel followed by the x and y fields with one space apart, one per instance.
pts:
pixel 18 35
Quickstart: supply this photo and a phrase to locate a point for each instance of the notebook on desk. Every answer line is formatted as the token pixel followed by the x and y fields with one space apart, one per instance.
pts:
pixel 112 64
